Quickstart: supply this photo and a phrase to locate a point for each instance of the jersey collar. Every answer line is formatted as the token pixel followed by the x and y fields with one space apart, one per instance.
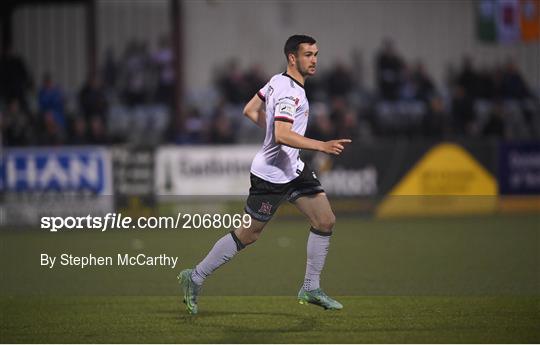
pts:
pixel 296 81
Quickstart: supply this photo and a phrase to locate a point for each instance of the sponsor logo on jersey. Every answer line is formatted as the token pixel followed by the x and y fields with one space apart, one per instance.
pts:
pixel 286 109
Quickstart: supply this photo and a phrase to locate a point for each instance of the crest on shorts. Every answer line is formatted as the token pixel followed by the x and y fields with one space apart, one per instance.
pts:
pixel 266 208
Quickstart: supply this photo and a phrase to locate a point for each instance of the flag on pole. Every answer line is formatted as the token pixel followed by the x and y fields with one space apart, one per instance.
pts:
pixel 508 21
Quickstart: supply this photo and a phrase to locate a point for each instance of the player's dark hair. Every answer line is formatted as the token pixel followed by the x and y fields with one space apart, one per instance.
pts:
pixel 293 42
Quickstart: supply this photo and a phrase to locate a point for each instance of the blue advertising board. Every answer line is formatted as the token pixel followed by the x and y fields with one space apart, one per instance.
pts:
pixel 64 181
pixel 519 168
pixel 85 169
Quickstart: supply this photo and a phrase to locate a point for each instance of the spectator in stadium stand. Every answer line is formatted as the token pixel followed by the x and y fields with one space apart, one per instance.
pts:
pixel 339 82
pixel 425 89
pixel 110 71
pixel 231 82
pixel 513 84
pixel 162 60
pixel 463 116
pixel 51 107
pixel 194 128
pixel 221 129
pixel 17 125
pixel 496 76
pixel 134 75
pixel 320 127
pixel 435 122
pixel 388 68
pixel 15 80
pixel 468 79
pixel 78 134
pixel 54 134
pixel 254 78
pixel 94 106
pixel 338 111
pixel 408 90
pixel 486 80
pixel 495 126
pixel 348 127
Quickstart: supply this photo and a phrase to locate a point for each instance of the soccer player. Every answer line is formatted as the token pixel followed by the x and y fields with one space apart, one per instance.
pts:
pixel 278 173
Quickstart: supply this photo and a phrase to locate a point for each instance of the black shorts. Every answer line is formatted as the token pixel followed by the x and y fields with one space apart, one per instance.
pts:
pixel 265 197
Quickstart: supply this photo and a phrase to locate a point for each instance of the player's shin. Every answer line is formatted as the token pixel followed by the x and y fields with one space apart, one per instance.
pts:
pixel 317 249
pixel 223 251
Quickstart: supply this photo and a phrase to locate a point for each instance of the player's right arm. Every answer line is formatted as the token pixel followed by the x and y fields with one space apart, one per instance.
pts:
pixel 286 136
pixel 254 110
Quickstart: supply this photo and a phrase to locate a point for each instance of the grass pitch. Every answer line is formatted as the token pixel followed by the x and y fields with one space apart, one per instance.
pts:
pixel 241 319
pixel 441 280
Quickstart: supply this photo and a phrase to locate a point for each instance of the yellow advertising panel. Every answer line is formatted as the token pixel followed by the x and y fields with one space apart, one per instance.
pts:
pixel 447 180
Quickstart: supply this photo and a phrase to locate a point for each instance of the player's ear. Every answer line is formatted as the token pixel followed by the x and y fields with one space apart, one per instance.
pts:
pixel 292 58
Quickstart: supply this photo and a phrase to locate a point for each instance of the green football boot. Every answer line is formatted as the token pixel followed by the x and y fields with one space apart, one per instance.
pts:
pixel 318 297
pixel 190 290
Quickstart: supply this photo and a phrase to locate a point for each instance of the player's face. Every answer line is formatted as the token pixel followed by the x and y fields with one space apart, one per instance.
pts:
pixel 307 59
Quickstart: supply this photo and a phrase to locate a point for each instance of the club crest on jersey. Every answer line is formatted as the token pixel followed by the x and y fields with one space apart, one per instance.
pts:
pixel 266 208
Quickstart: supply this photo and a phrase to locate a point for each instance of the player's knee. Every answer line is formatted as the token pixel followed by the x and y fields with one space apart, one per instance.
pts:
pixel 325 222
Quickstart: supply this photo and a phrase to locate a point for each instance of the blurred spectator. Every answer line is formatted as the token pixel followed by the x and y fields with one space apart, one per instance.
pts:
pixel 163 60
pixel 339 82
pixel 408 89
pixel 389 66
pixel 194 128
pixel 94 107
pixel 435 122
pixel 495 125
pixel 348 127
pixel 231 83
pixel 338 113
pixel 254 80
pixel 17 126
pixel 79 132
pixel 98 131
pixel 221 129
pixel 486 80
pixel 134 76
pixel 110 70
pixel 463 115
pixel 53 133
pixel 15 81
pixel 468 79
pixel 513 84
pixel 320 127
pixel 315 90
pixel 51 109
pixel 425 89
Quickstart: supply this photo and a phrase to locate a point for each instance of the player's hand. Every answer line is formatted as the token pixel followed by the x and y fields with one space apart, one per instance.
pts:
pixel 334 147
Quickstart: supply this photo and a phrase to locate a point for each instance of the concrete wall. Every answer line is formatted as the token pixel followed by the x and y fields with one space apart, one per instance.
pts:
pixel 438 32
pixel 52 39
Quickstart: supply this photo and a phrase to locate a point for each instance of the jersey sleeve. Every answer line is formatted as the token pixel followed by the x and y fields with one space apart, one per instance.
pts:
pixel 262 92
pixel 286 106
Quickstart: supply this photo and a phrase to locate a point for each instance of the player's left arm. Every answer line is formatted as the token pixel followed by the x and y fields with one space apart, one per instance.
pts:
pixel 254 110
